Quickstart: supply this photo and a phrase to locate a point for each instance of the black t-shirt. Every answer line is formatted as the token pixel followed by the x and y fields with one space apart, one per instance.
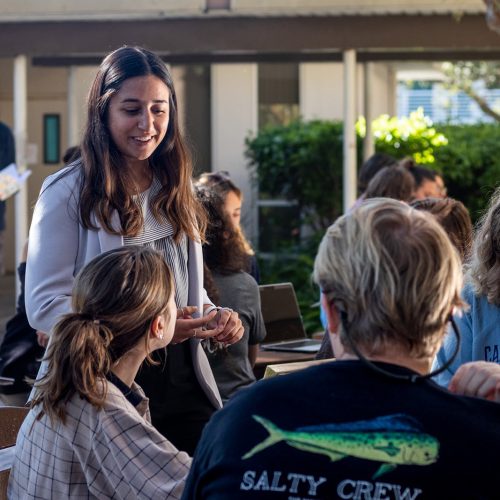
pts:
pixel 341 430
pixel 179 407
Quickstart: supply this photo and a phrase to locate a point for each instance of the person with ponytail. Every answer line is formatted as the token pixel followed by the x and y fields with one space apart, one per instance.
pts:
pixel 131 184
pixel 88 433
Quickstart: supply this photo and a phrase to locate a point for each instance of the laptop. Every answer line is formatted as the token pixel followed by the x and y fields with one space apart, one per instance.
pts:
pixel 284 327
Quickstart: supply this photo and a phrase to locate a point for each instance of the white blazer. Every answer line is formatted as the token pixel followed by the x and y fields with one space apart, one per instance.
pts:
pixel 59 246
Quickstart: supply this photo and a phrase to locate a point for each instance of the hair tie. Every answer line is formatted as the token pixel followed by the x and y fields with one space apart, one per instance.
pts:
pixel 96 322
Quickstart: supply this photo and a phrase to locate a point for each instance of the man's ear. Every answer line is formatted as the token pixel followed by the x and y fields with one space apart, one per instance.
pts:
pixel 332 314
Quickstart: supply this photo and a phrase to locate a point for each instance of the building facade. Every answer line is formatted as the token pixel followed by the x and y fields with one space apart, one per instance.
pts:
pixel 237 65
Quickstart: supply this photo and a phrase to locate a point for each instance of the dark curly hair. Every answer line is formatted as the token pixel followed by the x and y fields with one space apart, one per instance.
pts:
pixel 224 250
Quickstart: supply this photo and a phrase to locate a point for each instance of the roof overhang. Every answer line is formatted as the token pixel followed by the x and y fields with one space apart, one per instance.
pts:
pixel 390 37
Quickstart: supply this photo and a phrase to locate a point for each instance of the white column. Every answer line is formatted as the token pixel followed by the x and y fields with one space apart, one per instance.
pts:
pixel 349 172
pixel 73 107
pixel 234 116
pixel 368 143
pixel 21 136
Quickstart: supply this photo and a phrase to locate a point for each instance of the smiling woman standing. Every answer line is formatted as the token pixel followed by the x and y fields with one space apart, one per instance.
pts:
pixel 132 186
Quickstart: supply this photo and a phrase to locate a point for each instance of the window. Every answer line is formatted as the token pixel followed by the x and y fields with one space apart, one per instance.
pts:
pixel 51 139
pixel 278 93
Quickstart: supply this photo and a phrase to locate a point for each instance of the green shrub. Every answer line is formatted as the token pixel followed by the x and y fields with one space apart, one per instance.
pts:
pixel 470 163
pixel 301 162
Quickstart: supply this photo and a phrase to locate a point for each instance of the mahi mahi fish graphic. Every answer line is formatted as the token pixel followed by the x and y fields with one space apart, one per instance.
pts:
pixel 393 440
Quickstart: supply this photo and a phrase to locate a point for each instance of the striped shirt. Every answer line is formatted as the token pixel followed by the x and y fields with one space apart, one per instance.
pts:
pixel 159 235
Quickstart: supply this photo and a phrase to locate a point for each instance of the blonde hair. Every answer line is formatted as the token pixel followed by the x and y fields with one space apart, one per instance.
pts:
pixel 115 299
pixel 394 273
pixel 484 270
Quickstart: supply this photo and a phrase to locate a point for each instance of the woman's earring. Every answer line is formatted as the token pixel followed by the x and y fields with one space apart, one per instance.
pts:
pixel 160 336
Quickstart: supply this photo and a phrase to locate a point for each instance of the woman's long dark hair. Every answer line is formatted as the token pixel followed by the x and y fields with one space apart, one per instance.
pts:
pixel 224 250
pixel 103 188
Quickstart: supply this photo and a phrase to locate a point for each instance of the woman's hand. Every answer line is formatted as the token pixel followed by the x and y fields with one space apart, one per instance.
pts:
pixel 478 378
pixel 229 326
pixel 187 327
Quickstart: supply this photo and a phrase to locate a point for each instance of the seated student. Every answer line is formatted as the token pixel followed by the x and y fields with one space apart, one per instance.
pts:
pixel 232 198
pixel 391 182
pixel 20 352
pixel 479 324
pixel 371 424
pixel 454 218
pixel 427 184
pixel 226 282
pixel 88 433
pixel 371 167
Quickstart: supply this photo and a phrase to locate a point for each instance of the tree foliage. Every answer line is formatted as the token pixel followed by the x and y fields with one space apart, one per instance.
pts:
pixel 472 78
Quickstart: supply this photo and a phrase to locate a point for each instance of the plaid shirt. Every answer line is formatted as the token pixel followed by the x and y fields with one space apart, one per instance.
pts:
pixel 111 453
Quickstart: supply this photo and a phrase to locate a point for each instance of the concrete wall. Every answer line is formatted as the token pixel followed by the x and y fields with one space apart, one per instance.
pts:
pixel 80 79
pixel 383 89
pixel 234 117
pixel 322 92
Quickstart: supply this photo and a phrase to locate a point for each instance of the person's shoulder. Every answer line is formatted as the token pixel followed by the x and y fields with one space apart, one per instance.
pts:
pixel 286 387
pixel 468 292
pixel 478 303
pixel 115 399
pixel 67 178
pixel 247 282
pixel 474 412
pixel 237 279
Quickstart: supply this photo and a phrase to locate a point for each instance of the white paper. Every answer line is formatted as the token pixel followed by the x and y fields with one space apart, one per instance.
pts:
pixel 11 181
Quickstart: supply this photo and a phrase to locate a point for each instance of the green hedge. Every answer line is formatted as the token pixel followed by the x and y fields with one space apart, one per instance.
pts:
pixel 303 162
pixel 470 163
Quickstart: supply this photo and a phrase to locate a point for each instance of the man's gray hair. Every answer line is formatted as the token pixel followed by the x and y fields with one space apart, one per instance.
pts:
pixel 394 272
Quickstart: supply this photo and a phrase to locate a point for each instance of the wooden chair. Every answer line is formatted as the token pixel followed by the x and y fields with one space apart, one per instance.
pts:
pixel 11 418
